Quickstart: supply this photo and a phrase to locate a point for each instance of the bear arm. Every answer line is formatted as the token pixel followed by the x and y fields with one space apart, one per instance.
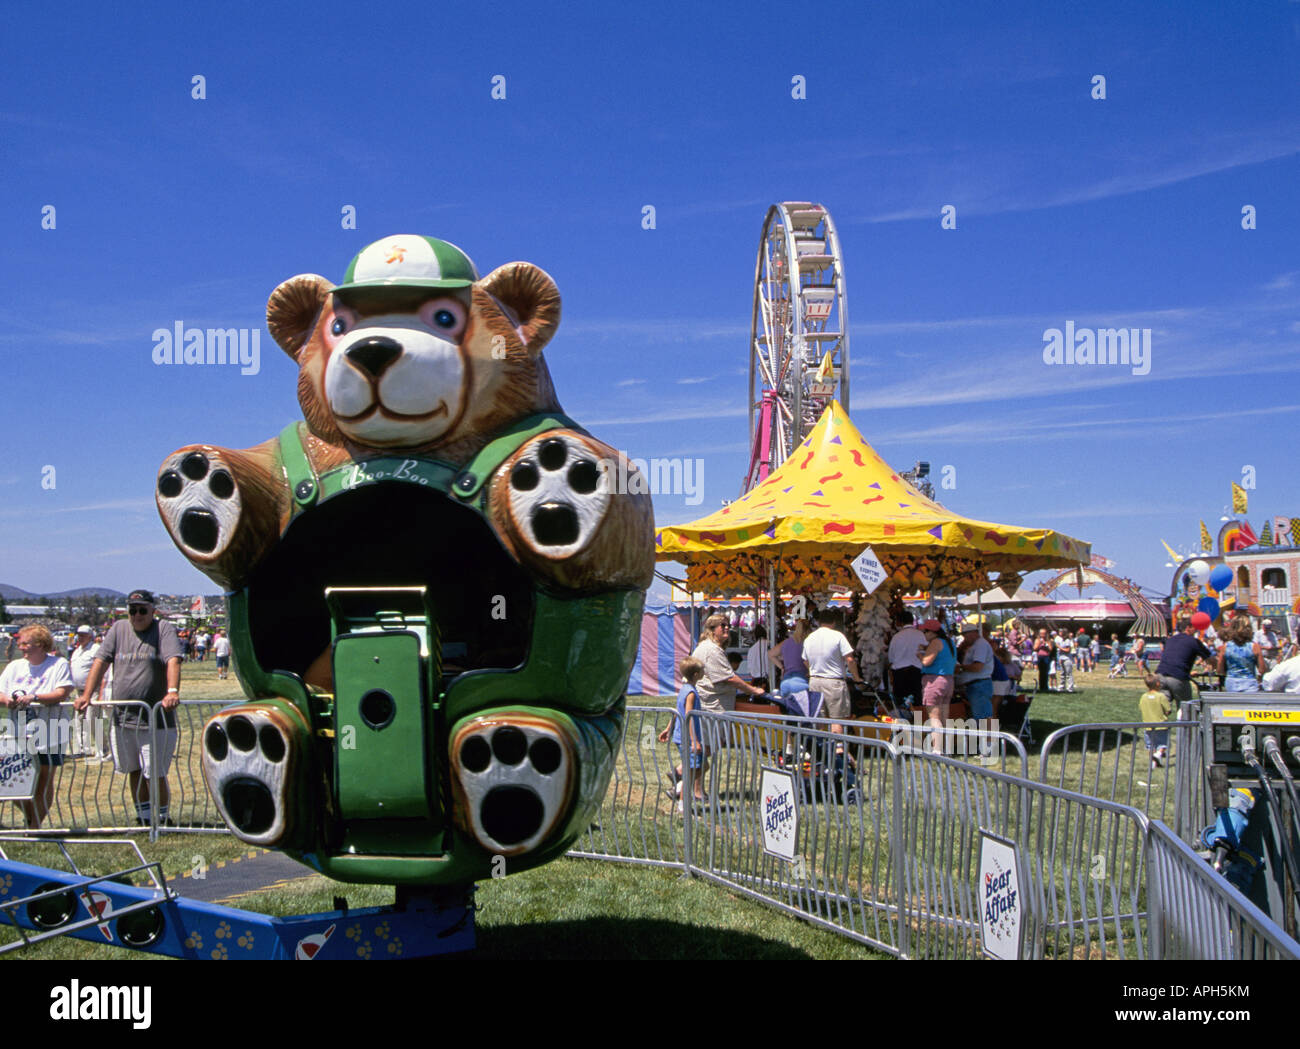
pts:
pixel 574 511
pixel 223 508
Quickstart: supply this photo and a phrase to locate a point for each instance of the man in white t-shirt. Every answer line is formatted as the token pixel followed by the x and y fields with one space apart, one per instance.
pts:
pixel 221 651
pixel 975 671
pixel 829 657
pixel 83 722
pixel 905 664
pixel 1065 659
pixel 1266 639
pixel 1285 677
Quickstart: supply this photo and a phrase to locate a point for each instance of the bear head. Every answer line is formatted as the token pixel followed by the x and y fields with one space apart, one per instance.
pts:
pixel 413 352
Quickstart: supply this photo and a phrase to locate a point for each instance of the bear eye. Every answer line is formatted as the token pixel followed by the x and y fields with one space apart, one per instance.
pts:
pixel 339 326
pixel 444 314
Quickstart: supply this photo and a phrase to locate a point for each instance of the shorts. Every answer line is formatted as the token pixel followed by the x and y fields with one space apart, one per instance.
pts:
pixel 1180 691
pixel 223 662
pixel 690 758
pixel 979 694
pixel 51 760
pixel 937 689
pixel 835 696
pixel 131 749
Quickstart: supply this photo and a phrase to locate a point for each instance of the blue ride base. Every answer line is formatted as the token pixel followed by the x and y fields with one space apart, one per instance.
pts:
pixel 154 919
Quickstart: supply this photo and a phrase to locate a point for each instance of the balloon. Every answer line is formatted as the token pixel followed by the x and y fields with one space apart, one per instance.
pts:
pixel 1221 578
pixel 1201 621
pixel 1209 606
pixel 1199 571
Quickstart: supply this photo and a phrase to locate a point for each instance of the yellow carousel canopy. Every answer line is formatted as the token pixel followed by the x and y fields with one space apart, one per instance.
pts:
pixel 833 497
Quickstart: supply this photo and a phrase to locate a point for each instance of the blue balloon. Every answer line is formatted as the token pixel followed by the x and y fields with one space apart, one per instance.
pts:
pixel 1209 606
pixel 1221 578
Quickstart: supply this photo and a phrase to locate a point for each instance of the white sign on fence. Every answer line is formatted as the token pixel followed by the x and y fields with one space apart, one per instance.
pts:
pixel 17 770
pixel 869 569
pixel 1000 900
pixel 780 817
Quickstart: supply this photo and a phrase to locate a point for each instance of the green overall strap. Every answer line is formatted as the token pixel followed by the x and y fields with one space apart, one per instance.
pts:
pixel 304 485
pixel 470 480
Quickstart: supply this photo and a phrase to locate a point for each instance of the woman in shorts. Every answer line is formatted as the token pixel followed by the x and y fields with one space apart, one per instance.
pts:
pixel 938 664
pixel 32 687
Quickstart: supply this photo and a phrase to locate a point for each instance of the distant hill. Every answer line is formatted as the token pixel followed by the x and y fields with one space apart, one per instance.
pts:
pixel 14 593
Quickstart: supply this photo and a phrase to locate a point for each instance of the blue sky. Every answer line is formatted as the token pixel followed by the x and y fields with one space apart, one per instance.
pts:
pixel 1123 212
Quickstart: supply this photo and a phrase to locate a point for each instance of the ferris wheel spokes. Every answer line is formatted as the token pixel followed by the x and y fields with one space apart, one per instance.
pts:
pixel 798 332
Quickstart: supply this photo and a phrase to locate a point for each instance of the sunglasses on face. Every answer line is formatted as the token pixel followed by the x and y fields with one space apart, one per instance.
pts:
pixel 139 610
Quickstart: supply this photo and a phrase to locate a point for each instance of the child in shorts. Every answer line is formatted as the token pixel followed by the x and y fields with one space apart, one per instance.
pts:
pixel 1155 706
pixel 692 749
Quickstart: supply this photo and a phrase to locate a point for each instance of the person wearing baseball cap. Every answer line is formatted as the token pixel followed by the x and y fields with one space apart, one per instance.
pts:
pixel 1267 640
pixel 975 671
pixel 145 654
pixel 80 659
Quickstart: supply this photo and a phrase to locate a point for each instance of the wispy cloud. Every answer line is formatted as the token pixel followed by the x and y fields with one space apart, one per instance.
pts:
pixel 1015 184
pixel 131 551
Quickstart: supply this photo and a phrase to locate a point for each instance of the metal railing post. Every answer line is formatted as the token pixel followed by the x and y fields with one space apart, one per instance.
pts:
pixel 688 792
pixel 898 847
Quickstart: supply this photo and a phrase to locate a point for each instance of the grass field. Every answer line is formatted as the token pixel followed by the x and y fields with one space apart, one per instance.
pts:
pixel 588 908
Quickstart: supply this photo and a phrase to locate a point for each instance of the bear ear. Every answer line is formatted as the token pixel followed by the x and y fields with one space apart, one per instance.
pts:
pixel 531 296
pixel 292 309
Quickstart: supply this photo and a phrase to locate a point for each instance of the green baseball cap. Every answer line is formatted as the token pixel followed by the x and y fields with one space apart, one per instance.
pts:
pixel 397 266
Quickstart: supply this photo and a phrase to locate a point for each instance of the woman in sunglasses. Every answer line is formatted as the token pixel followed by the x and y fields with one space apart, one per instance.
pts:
pixel 32 687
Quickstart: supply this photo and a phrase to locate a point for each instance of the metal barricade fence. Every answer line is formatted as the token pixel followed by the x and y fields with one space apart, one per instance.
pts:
pixel 1190 915
pixel 89 795
pixel 843 873
pixel 636 821
pixel 888 844
pixel 1080 859
pixel 1111 760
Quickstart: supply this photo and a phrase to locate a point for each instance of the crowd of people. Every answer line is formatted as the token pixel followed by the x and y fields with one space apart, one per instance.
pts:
pixel 929 665
pixel 124 685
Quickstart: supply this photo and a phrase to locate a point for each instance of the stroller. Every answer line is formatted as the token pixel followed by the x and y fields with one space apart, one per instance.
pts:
pixel 1013 715
pixel 823 773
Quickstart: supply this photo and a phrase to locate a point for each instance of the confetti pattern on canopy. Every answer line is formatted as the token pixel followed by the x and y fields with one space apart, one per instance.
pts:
pixel 834 496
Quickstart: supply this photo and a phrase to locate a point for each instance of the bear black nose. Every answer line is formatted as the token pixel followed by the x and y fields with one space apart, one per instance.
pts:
pixel 374 354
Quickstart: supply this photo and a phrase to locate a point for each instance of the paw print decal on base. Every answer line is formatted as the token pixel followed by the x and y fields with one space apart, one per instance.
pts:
pixel 513 775
pixel 247 763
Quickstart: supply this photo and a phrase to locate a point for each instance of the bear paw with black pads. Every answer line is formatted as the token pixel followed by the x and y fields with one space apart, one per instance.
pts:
pixel 514 775
pixel 248 762
pixel 199 501
pixel 559 491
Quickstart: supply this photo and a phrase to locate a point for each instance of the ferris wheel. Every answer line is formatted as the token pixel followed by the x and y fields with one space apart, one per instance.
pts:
pixel 799 333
